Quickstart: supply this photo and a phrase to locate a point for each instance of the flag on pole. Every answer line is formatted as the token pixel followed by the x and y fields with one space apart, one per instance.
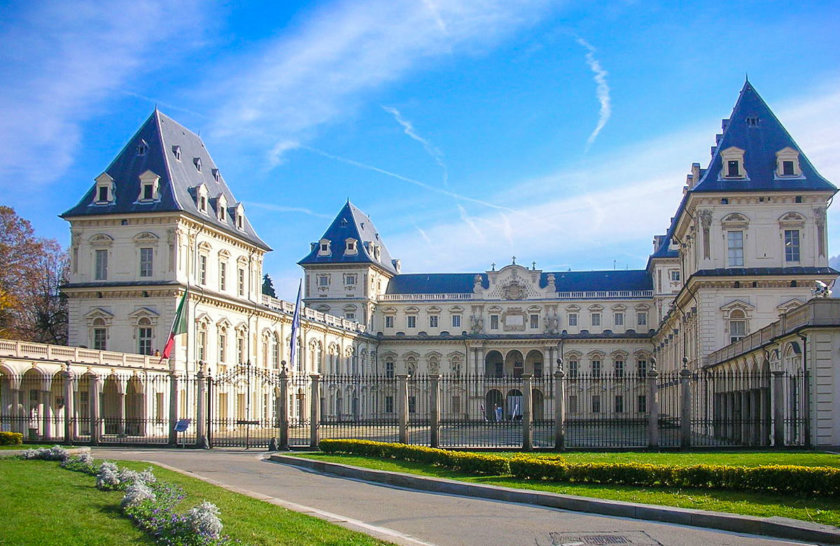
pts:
pixel 295 327
pixel 179 326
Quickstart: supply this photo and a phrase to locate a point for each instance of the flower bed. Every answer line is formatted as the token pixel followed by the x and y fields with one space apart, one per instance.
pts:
pixel 11 438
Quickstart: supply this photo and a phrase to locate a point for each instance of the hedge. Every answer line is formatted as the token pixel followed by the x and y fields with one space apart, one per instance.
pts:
pixel 471 463
pixel 778 479
pixel 11 438
pixel 785 479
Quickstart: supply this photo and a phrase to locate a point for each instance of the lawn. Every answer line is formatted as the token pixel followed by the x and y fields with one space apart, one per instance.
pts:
pixel 43 503
pixel 815 509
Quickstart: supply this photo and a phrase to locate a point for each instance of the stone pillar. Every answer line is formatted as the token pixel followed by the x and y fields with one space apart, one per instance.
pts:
pixel 559 407
pixel 46 414
pixel 745 417
pixel 95 419
pixel 281 394
pixel 685 408
pixel 434 410
pixel 653 407
pixel 201 409
pixel 766 417
pixel 315 411
pixel 778 408
pixel 69 412
pixel 121 413
pixel 527 404
pixel 402 407
pixel 17 414
pixel 174 393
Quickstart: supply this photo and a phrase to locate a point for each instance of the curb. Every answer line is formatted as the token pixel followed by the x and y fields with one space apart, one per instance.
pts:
pixel 773 527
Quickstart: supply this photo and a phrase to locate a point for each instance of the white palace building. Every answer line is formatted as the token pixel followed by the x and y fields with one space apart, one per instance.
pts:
pixel 731 286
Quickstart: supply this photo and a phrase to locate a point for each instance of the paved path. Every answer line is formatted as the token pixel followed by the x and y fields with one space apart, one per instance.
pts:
pixel 414 517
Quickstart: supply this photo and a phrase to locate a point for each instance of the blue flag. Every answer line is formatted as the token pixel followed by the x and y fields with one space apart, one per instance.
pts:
pixel 295 327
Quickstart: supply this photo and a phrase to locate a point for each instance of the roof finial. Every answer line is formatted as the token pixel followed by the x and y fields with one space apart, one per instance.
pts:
pixel 514 260
pixel 746 77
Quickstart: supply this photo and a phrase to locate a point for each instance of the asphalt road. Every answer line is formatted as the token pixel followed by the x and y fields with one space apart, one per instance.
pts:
pixel 416 517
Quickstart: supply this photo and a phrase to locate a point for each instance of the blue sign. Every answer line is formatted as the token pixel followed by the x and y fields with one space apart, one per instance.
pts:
pixel 182 425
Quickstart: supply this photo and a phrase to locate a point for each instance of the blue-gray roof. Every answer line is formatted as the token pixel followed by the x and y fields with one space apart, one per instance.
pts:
pixel 760 141
pixel 351 223
pixel 566 281
pixel 179 178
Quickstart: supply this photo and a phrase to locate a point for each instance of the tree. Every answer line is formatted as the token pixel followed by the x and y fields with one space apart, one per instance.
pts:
pixel 268 286
pixel 32 270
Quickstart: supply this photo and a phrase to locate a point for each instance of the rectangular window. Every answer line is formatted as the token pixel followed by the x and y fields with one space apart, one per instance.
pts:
pixel 411 321
pixel 573 404
pixel 101 265
pixel 144 337
pixel 573 369
pixel 641 368
pixel 389 321
pixel 535 321
pixel 323 280
pixel 675 275
pixel 241 288
pixel 737 330
pixel 202 269
pixel 389 370
pixel 146 262
pixel 350 280
pixel 147 192
pixel 619 368
pixel 202 344
pixel 494 322
pixel 596 403
pixel 99 336
pixel 596 368
pixel 619 403
pixel 732 168
pixel 456 321
pixel 735 246
pixel 787 168
pixel 222 343
pixel 641 318
pixel 619 319
pixel 433 321
pixel 792 245
pixel 103 194
pixel 350 316
pixel 573 319
pixel 389 404
pixel 222 275
pixel 596 319
pixel 642 403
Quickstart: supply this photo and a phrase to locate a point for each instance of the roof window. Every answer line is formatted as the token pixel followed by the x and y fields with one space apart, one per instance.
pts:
pixel 176 151
pixel 732 162
pixel 216 175
pixel 197 163
pixel 787 163
pixel 142 148
pixel 752 121
pixel 104 193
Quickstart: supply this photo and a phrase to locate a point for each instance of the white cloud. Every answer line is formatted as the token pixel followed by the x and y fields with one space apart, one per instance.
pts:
pixel 277 154
pixel 602 90
pixel 431 149
pixel 281 208
pixel 58 61
pixel 322 70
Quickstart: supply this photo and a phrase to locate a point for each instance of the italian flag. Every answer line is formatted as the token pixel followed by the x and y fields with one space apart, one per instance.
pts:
pixel 179 326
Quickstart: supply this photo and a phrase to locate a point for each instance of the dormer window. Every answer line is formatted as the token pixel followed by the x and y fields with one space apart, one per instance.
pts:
pixel 216 175
pixel 240 217
pixel 197 163
pixel 324 247
pixel 142 148
pixel 201 198
pixel 752 121
pixel 148 186
pixel 104 192
pixel 221 205
pixel 176 151
pixel 351 246
pixel 787 162
pixel 732 160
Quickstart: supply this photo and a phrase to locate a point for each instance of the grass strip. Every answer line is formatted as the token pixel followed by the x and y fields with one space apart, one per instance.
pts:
pixel 815 509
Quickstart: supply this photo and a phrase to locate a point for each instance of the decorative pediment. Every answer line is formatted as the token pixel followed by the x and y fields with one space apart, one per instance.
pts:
pixel 596 307
pixel 412 310
pixel 573 308
pixel 792 219
pixel 146 238
pixel 224 323
pixel 433 310
pixel 101 240
pixel 99 313
pixel 390 310
pixel 494 309
pixel 514 290
pixel 457 309
pixel 789 305
pixel 204 246
pixel 204 319
pixel 619 307
pixel 735 220
pixel 534 309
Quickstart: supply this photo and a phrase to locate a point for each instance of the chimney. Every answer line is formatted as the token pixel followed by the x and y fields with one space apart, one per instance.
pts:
pixel 724 123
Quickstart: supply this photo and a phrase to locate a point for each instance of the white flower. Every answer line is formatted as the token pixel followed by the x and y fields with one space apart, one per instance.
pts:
pixel 204 520
pixel 135 494
pixel 108 476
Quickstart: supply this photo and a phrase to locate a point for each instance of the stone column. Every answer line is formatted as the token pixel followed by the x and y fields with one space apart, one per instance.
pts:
pixel 281 394
pixel 17 413
pixel 46 413
pixel 402 407
pixel 121 412
pixel 559 407
pixel 95 420
pixel 685 409
pixel 315 411
pixel 527 404
pixel 764 403
pixel 653 407
pixel 174 393
pixel 434 410
pixel 201 409
pixel 69 413
pixel 778 408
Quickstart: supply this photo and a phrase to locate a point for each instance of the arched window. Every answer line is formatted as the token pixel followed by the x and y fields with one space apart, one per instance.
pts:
pixel 100 335
pixel 737 325
pixel 144 336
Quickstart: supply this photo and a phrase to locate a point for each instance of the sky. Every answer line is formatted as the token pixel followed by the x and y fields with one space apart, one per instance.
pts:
pixel 469 131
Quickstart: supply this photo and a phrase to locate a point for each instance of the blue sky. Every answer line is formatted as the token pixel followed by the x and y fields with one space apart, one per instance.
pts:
pixel 558 132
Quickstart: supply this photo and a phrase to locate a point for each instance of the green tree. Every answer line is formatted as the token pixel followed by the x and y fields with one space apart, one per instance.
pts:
pixel 32 270
pixel 268 286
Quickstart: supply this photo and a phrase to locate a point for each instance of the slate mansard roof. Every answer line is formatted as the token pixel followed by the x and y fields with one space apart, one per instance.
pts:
pixel 754 128
pixel 351 223
pixel 179 178
pixel 567 281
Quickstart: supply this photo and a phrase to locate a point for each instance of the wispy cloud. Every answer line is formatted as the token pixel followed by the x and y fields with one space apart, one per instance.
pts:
pixel 277 154
pixel 602 90
pixel 325 68
pixel 58 61
pixel 281 208
pixel 431 149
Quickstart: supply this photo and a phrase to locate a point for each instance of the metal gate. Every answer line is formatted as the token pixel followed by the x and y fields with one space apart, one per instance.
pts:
pixel 241 408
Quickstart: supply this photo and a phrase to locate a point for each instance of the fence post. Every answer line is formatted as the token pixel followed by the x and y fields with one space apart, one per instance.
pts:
pixel 434 410
pixel 282 403
pixel 315 411
pixel 94 409
pixel 174 393
pixel 559 407
pixel 527 425
pixel 201 408
pixel 685 409
pixel 653 406
pixel 402 407
pixel 778 408
pixel 69 417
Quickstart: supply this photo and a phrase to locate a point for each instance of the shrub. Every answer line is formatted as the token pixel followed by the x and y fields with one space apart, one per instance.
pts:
pixel 80 463
pixel 55 453
pixel 204 520
pixel 11 438
pixel 107 477
pixel 135 494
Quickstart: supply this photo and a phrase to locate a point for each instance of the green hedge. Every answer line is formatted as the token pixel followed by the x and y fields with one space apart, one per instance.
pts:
pixel 471 463
pixel 11 438
pixel 786 479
